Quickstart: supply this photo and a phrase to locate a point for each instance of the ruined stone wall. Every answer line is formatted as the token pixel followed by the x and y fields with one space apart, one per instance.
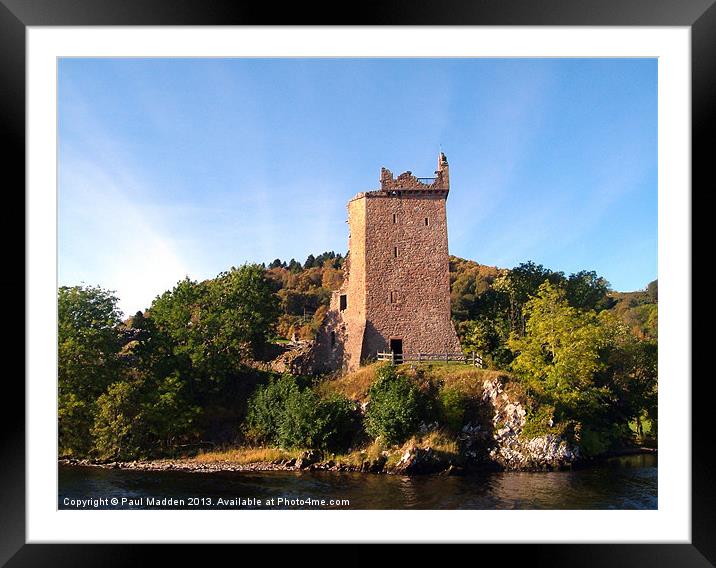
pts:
pixel 408 295
pixel 340 339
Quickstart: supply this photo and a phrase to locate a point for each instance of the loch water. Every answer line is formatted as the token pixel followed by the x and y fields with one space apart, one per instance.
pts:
pixel 628 482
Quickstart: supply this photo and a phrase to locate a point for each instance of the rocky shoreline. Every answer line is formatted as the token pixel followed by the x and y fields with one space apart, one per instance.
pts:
pixel 415 461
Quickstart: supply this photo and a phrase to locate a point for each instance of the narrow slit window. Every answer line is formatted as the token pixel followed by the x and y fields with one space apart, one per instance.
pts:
pixel 343 302
pixel 426 222
pixel 394 297
pixel 395 252
pixel 395 218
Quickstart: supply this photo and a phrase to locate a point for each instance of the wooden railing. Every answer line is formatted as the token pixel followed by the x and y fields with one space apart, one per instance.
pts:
pixel 398 358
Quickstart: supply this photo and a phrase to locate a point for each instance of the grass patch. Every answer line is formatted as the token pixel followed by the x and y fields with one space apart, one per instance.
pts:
pixel 245 456
pixel 356 458
pixel 352 385
pixel 465 378
pixel 439 440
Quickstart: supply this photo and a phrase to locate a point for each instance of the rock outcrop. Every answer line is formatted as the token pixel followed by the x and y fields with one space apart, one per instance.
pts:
pixel 297 359
pixel 509 448
pixel 416 460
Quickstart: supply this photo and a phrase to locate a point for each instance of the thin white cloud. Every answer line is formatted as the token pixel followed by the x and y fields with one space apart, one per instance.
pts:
pixel 107 238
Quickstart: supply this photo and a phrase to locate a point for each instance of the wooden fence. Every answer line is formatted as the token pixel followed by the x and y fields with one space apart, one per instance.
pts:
pixel 398 358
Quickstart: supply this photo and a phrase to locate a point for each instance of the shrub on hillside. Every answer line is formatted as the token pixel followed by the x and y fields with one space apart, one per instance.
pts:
pixel 309 422
pixel 394 411
pixel 284 414
pixel 451 408
pixel 265 409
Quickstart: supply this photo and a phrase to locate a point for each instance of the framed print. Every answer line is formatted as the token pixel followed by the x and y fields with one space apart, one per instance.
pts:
pixel 462 350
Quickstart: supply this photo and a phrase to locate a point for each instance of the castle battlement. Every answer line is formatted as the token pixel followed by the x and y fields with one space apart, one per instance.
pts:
pixel 408 182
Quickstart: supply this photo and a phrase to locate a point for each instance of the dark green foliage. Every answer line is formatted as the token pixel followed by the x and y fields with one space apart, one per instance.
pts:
pixel 209 328
pixel 140 389
pixel 289 416
pixel 140 417
pixel 266 406
pixel 309 422
pixel 342 423
pixel 631 372
pixel 587 291
pixel 310 262
pixel 88 360
pixel 115 430
pixel 539 421
pixel 594 441
pixel 451 408
pixel 394 410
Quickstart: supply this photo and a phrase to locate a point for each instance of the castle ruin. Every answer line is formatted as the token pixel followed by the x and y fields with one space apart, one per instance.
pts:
pixel 396 292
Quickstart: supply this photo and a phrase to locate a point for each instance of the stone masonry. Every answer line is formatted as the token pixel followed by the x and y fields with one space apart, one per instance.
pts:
pixel 396 292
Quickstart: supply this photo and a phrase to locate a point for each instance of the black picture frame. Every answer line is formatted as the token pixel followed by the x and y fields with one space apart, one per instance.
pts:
pixel 699 15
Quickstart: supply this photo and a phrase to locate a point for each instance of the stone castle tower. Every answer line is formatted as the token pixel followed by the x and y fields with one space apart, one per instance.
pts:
pixel 396 293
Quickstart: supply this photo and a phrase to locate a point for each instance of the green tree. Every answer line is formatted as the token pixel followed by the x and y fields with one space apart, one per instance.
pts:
pixel 310 262
pixel 519 285
pixel 487 337
pixel 632 374
pixel 116 429
pixel 587 291
pixel 88 362
pixel 560 354
pixel 212 326
pixel 140 416
pixel 168 414
pixel 241 310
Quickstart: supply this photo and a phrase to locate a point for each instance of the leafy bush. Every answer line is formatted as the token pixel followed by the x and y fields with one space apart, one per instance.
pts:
pixel 284 414
pixel 266 408
pixel 342 422
pixel 137 416
pixel 451 408
pixel 594 441
pixel 539 421
pixel 115 428
pixel 394 410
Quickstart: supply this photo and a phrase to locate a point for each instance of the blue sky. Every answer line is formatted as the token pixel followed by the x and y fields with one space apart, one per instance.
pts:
pixel 174 167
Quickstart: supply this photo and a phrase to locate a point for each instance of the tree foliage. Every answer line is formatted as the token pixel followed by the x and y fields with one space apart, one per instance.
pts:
pixel 88 360
pixel 289 416
pixel 394 408
pixel 586 366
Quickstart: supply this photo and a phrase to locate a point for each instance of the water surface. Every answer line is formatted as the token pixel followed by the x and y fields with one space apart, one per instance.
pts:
pixel 619 483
